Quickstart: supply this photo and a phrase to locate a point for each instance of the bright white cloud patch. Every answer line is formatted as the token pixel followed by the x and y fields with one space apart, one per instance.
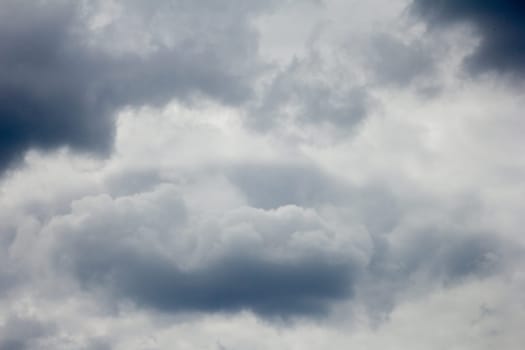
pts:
pixel 261 175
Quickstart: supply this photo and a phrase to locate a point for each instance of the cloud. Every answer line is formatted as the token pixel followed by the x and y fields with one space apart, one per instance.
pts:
pixel 62 81
pixel 396 62
pixel 282 262
pixel 362 205
pixel 264 287
pixel 20 333
pixel 153 250
pixel 411 263
pixel 273 185
pixel 315 91
pixel 500 25
pixel 10 272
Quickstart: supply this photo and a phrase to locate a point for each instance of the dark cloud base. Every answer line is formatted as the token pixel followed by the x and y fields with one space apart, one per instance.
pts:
pixel 267 288
pixel 288 288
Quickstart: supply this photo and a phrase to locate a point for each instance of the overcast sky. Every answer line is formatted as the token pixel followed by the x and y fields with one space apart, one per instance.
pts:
pixel 262 174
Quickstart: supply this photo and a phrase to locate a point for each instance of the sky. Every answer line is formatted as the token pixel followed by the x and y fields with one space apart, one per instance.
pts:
pixel 242 174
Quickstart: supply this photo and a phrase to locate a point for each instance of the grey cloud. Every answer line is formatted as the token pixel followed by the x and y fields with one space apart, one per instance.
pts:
pixel 272 185
pixel 404 261
pixel 501 25
pixel 275 263
pixel 395 62
pixel 10 273
pixel 132 181
pixel 265 287
pixel 10 277
pixel 451 255
pixel 221 232
pixel 310 91
pixel 425 259
pixel 99 343
pixel 57 88
pixel 285 261
pixel 20 333
pixel 281 261
pixel 48 94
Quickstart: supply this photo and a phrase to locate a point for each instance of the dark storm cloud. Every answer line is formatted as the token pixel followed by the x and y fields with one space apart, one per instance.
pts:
pixel 56 90
pixel 48 93
pixel 501 25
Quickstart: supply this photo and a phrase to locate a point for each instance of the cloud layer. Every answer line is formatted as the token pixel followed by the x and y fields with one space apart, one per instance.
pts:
pixel 261 175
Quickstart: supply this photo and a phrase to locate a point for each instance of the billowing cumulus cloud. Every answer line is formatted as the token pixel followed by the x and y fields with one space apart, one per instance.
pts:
pixel 267 175
pixel 280 262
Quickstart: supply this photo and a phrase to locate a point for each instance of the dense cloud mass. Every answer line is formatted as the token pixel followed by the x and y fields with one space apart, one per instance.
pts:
pixel 501 25
pixel 261 175
pixel 62 81
pixel 273 262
